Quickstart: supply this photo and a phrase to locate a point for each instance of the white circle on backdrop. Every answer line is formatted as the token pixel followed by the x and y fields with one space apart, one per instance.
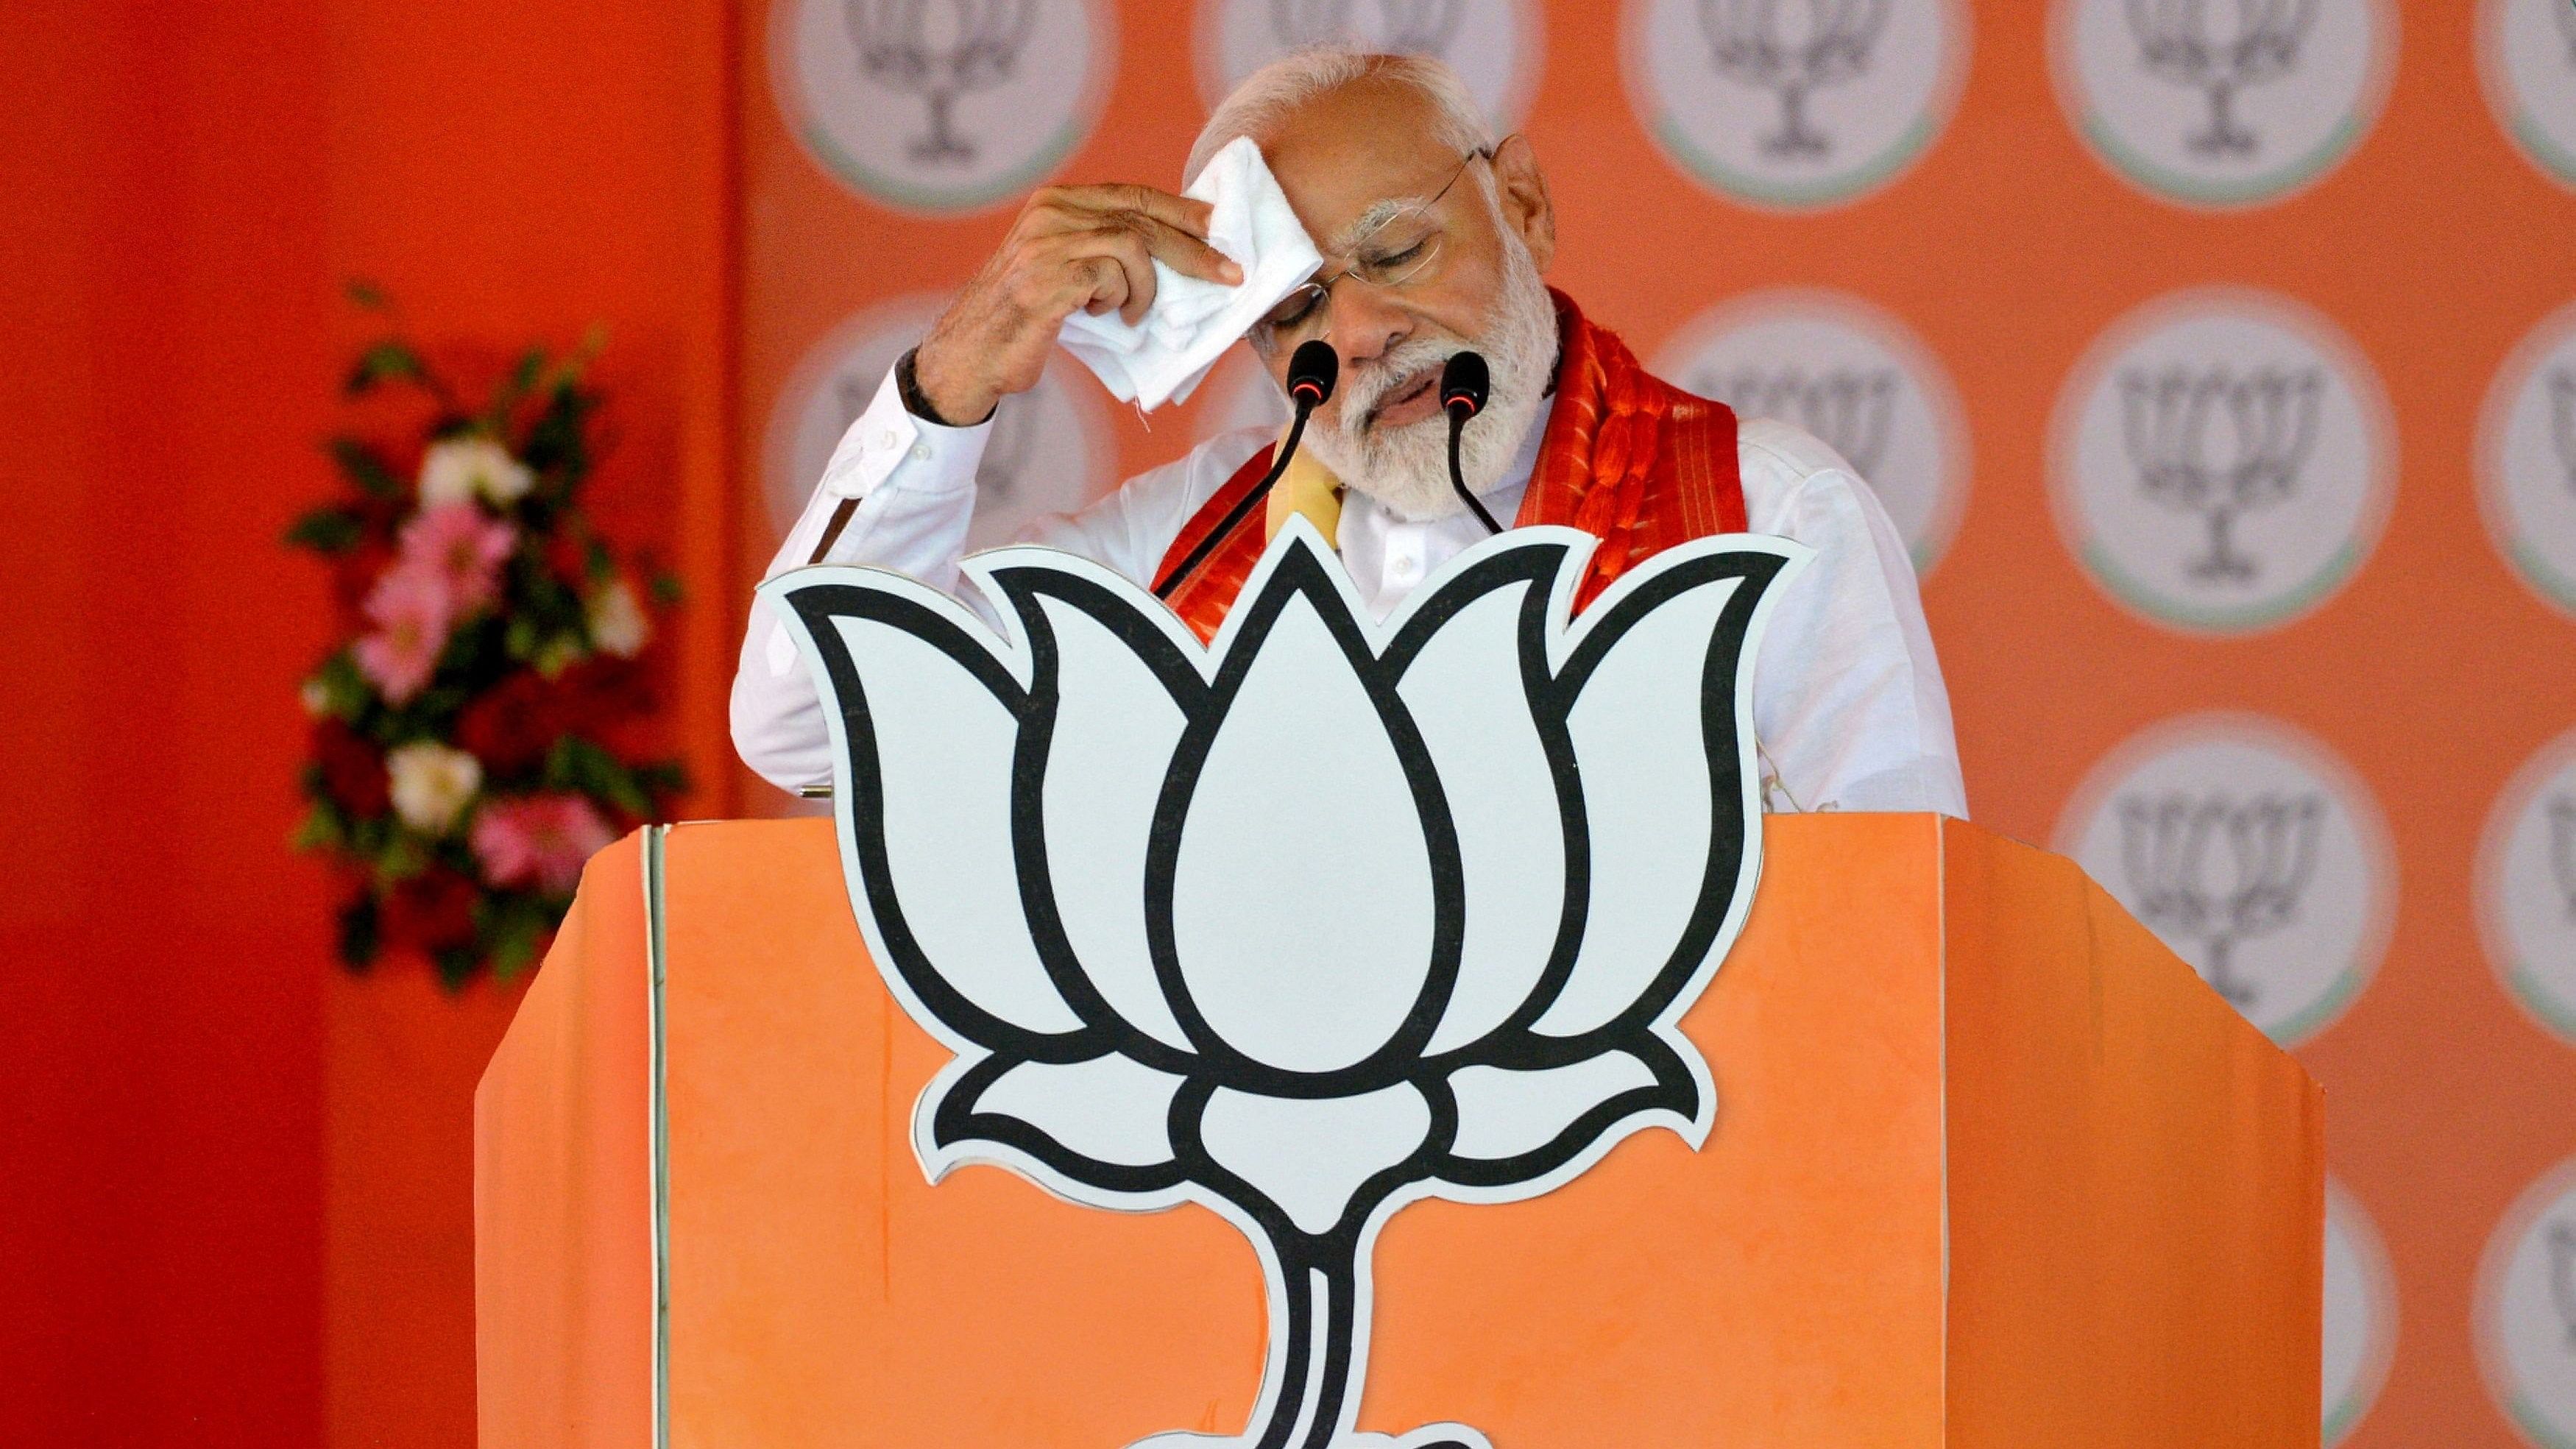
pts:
pixel 2527 458
pixel 941 106
pixel 2526 1311
pixel 2222 461
pixel 2250 850
pixel 2527 60
pixel 1049 452
pixel 1239 394
pixel 2527 887
pixel 2222 105
pixel 1852 375
pixel 1795 105
pixel 2360 1316
pixel 1494 45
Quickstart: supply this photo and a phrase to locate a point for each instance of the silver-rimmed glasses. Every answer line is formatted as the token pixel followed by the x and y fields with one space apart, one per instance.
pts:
pixel 1396 252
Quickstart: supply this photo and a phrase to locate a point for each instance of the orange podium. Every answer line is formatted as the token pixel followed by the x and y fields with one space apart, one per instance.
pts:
pixel 1990 1167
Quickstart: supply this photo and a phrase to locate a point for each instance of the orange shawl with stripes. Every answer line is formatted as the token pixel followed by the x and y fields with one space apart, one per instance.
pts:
pixel 1627 457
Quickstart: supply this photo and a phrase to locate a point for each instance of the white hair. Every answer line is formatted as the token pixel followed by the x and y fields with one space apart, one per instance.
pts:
pixel 1268 96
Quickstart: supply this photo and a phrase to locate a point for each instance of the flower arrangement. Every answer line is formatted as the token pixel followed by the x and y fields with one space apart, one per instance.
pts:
pixel 473 733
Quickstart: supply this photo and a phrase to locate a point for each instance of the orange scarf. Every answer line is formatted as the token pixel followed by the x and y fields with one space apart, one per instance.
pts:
pixel 1627 457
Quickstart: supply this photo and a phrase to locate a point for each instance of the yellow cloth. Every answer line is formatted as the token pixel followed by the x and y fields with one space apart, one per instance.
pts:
pixel 1308 487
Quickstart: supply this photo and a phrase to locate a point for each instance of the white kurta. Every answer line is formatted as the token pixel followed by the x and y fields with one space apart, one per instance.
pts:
pixel 1848 705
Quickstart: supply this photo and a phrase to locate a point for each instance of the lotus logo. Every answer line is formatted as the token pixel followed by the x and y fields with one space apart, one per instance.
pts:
pixel 2218 871
pixel 2223 461
pixel 940 105
pixel 2176 44
pixel 2220 445
pixel 2562 415
pixel 1848 409
pixel 1493 45
pixel 1409 27
pixel 1324 919
pixel 2223 102
pixel 939 51
pixel 2526 1310
pixel 1795 103
pixel 2527 60
pixel 2360 1316
pixel 2526 887
pixel 2256 855
pixel 1823 43
pixel 2527 456
pixel 1855 377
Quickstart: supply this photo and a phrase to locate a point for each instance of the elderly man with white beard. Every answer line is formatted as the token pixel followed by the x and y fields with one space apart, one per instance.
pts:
pixel 1435 238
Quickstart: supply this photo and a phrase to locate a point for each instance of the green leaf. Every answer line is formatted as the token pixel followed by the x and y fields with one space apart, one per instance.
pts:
pixel 360 934
pixel 364 468
pixel 318 830
pixel 386 361
pixel 663 587
pixel 345 691
pixel 578 764
pixel 327 530
pixel 515 388
pixel 367 294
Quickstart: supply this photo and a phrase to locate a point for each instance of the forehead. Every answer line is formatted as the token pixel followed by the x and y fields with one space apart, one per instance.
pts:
pixel 1348 149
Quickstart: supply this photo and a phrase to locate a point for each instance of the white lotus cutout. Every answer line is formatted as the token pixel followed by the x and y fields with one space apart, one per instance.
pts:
pixel 1315 922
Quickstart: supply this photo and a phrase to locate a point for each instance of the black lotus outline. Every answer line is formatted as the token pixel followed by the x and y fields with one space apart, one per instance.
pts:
pixel 1301 1268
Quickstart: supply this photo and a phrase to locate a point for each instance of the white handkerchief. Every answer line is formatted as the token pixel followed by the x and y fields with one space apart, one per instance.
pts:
pixel 1192 322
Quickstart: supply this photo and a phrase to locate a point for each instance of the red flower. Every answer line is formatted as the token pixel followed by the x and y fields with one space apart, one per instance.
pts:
pixel 433 910
pixel 512 725
pixel 353 769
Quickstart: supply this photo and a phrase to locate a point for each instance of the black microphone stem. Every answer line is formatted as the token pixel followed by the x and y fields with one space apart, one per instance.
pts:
pixel 1458 479
pixel 1235 515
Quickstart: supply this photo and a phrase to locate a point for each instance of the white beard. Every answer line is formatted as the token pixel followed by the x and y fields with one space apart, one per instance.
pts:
pixel 1406 469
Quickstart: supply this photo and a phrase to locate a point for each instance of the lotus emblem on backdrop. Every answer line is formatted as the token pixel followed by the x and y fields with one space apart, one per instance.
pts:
pixel 1325 918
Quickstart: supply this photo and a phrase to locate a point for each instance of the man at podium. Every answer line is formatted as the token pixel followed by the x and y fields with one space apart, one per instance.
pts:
pixel 1435 237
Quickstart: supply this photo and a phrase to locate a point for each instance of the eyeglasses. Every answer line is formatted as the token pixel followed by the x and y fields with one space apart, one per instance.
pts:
pixel 1395 253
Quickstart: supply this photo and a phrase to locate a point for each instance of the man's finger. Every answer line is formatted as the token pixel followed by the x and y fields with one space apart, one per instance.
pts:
pixel 1180 211
pixel 1186 254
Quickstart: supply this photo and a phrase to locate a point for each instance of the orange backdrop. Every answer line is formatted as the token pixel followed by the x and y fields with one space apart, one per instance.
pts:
pixel 2011 206
pixel 239 1207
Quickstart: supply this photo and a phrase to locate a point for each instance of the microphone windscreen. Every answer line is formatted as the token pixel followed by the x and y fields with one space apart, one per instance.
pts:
pixel 1312 370
pixel 1464 383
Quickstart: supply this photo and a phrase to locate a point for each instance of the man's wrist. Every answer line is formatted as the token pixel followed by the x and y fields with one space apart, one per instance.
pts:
pixel 907 386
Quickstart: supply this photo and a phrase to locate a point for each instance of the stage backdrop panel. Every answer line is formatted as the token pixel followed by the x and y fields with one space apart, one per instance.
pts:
pixel 2223 383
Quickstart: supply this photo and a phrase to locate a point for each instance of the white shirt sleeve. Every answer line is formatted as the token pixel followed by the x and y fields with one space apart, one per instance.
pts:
pixel 914 482
pixel 1848 703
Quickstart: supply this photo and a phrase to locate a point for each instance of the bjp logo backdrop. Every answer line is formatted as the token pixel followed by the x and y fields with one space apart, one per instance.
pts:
pixel 2527 887
pixel 2223 461
pixel 941 105
pixel 1851 375
pixel 2256 855
pixel 2223 104
pixel 1795 103
pixel 2360 1316
pixel 1494 45
pixel 2527 58
pixel 2527 459
pixel 2526 1311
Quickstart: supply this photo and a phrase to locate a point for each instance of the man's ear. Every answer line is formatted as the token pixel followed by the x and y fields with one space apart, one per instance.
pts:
pixel 1521 188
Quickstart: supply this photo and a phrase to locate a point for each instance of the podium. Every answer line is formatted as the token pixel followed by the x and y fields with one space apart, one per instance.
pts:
pixel 1991 1167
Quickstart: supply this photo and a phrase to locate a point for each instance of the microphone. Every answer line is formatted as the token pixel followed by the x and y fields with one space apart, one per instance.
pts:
pixel 1464 382
pixel 1312 370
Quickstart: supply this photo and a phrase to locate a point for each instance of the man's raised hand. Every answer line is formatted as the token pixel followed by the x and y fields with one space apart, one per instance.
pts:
pixel 1072 247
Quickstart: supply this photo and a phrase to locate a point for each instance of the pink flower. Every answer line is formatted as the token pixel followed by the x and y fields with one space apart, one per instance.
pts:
pixel 540 840
pixel 412 609
pixel 464 547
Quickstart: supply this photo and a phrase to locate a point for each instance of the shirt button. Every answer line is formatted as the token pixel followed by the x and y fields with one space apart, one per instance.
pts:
pixel 921 452
pixel 887 439
pixel 1405 566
